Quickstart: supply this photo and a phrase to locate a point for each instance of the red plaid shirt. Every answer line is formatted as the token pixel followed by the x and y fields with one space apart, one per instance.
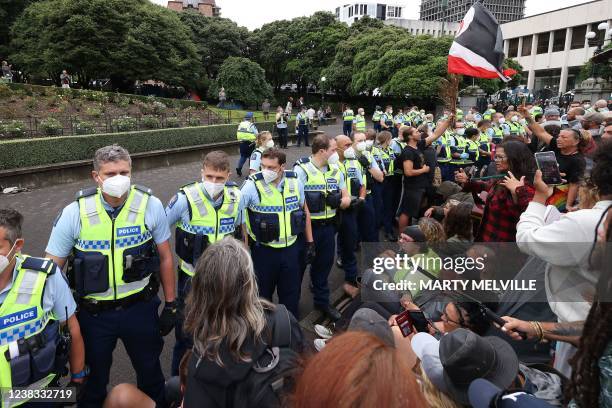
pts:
pixel 501 213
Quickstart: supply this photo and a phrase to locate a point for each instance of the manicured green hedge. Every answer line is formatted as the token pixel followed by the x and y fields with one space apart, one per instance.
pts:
pixel 41 151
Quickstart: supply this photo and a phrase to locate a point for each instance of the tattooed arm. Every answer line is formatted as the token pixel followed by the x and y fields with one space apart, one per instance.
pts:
pixel 568 332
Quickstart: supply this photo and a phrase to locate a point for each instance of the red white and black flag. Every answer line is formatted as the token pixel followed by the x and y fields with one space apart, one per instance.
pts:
pixel 478 48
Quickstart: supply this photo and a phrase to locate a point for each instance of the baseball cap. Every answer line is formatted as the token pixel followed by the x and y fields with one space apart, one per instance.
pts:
pixel 482 393
pixel 447 189
pixel 552 112
pixel 249 115
pixel 426 348
pixel 370 321
pixel 415 233
pixel 595 117
pixel 467 356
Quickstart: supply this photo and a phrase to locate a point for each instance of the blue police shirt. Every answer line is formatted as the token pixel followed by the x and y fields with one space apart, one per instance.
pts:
pixel 396 147
pixel 67 227
pixel 178 208
pixel 303 177
pixel 57 297
pixel 255 161
pixel 251 197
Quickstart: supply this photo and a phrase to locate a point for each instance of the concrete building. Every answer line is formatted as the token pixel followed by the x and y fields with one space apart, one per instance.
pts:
pixel 205 7
pixel 420 27
pixel 551 47
pixel 503 10
pixel 349 13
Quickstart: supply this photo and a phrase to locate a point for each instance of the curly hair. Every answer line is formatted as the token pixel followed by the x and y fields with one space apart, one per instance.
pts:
pixel 597 334
pixel 458 221
pixel 433 230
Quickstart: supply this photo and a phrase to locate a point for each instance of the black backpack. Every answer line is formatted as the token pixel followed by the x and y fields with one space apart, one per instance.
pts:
pixel 272 374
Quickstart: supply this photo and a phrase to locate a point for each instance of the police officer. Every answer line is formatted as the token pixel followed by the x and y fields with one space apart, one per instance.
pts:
pixel 376 118
pixel 398 121
pixel 325 191
pixel 35 301
pixel 500 128
pixel 459 114
pixel 459 149
pixel 347 117
pixel 388 160
pixel 359 122
pixel 119 237
pixel 281 126
pixel 387 122
pixel 203 212
pixel 347 234
pixel 366 216
pixel 247 133
pixel 486 134
pixel 375 151
pixel 264 141
pixel 515 127
pixel 275 217
pixel 395 182
pixel 488 114
pixel 301 122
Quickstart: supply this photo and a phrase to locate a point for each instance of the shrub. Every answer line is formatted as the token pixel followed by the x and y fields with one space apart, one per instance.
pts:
pixel 50 127
pixel 194 121
pixel 31 104
pixel 149 122
pixel 158 108
pixel 13 129
pixel 124 124
pixel 5 91
pixel 122 102
pixel 94 111
pixel 42 151
pixel 173 122
pixel 83 127
pixel 95 96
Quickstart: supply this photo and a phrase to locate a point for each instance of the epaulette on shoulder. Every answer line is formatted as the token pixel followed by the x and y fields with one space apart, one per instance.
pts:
pixel 231 184
pixel 256 176
pixel 86 192
pixel 303 160
pixel 39 264
pixel 290 174
pixel 144 189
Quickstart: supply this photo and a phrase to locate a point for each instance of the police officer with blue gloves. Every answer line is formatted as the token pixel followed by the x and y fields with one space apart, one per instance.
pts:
pixel 203 213
pixel 348 232
pixel 325 192
pixel 366 216
pixel 119 238
pixel 35 301
pixel 275 217
pixel 247 133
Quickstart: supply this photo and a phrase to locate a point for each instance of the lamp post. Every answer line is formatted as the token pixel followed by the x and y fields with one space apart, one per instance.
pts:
pixel 323 79
pixel 444 7
pixel 594 41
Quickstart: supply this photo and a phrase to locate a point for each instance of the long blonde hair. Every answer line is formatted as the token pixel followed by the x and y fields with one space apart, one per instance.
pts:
pixel 435 398
pixel 223 306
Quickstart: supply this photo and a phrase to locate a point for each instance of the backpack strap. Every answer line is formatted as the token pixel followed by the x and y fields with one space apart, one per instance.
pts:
pixel 281 327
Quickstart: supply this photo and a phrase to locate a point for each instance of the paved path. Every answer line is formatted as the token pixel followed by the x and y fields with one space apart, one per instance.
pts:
pixel 41 206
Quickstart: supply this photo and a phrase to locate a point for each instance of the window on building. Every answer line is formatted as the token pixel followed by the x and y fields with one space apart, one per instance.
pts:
pixel 543 40
pixel 559 40
pixel 526 48
pixel 351 11
pixel 337 12
pixel 578 34
pixel 394 12
pixel 513 48
pixel 364 9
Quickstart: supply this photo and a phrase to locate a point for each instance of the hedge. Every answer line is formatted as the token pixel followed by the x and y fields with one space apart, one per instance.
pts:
pixel 52 90
pixel 50 150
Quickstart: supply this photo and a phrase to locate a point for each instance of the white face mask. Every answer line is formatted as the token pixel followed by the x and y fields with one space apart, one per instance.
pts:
pixel 587 106
pixel 514 118
pixel 361 146
pixel 334 158
pixel 4 260
pixel 116 186
pixel 349 153
pixel 369 144
pixel 460 131
pixel 269 144
pixel 213 189
pixel 502 120
pixel 523 122
pixel 269 175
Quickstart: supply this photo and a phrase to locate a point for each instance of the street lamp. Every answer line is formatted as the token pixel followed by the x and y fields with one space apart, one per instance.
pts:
pixel 323 79
pixel 594 41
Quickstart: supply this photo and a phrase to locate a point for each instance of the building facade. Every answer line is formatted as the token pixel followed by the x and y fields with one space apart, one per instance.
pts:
pixel 349 13
pixel 420 27
pixel 552 47
pixel 455 10
pixel 205 7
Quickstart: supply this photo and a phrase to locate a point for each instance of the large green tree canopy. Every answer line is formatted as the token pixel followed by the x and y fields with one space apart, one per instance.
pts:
pixel 244 81
pixel 123 39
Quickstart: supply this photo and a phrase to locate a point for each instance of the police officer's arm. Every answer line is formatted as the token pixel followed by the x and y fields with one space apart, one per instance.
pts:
pixel 158 223
pixel 308 227
pixel 383 124
pixel 63 235
pixel 77 348
pixel 345 201
pixel 245 201
pixel 375 171
pixel 440 129
pixel 362 192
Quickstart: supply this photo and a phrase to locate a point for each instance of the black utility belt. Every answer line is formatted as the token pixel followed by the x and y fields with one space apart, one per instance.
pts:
pixel 97 306
pixel 322 223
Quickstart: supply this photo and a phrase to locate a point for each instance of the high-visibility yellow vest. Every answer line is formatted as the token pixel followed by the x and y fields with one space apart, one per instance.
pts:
pixel 22 317
pixel 388 159
pixel 348 115
pixel 352 175
pixel 246 131
pixel 473 149
pixel 318 187
pixel 388 119
pixel 461 145
pixel 360 123
pixel 376 116
pixel 402 145
pixel 488 114
pixel 445 152
pixel 515 128
pixel 206 225
pixel 107 247
pixel 459 114
pixel 280 210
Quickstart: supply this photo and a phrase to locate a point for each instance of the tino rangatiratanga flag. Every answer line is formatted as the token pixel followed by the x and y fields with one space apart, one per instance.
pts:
pixel 478 48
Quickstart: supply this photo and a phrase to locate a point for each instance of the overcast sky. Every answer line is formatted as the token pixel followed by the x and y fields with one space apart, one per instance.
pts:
pixel 255 13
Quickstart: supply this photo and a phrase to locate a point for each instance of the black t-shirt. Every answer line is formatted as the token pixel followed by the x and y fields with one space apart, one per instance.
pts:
pixel 418 161
pixel 573 165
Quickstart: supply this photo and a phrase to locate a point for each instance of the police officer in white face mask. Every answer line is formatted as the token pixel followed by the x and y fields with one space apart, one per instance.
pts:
pixel 119 237
pixel 203 213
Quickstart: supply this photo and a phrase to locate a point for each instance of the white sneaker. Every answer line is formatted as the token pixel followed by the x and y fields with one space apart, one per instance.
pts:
pixel 319 344
pixel 323 331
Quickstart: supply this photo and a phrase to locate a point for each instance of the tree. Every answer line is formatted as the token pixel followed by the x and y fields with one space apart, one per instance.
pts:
pixel 9 11
pixel 216 39
pixel 270 47
pixel 244 81
pixel 126 40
